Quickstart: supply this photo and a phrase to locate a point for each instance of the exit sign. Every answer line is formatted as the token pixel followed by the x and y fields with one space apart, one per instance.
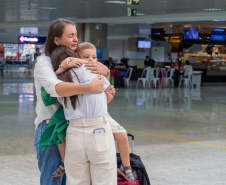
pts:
pixel 131 12
pixel 134 12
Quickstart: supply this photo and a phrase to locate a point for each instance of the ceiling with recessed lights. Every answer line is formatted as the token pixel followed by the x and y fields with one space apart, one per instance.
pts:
pixel 150 14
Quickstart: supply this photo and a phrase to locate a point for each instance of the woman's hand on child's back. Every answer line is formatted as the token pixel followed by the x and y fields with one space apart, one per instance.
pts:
pixel 97 85
pixel 71 62
pixel 97 67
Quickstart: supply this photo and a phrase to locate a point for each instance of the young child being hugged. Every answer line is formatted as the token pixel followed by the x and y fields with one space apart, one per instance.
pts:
pixel 90 148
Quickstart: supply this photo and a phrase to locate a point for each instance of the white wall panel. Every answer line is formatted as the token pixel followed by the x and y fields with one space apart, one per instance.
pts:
pixel 117 49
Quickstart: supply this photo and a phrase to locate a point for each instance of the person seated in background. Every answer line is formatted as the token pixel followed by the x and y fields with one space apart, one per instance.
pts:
pixel 149 62
pixel 123 64
pixel 106 63
pixel 186 68
pixel 177 66
pixel 185 71
pixel 111 64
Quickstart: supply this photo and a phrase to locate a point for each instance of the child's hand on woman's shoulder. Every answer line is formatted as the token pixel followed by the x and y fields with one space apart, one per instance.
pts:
pixel 71 62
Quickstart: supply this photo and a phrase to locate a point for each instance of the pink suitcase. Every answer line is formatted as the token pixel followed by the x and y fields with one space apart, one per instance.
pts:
pixel 123 182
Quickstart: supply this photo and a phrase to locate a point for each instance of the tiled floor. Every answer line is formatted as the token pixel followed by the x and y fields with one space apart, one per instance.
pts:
pixel 180 133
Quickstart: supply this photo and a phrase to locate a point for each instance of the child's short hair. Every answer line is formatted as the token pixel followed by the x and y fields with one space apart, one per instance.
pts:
pixel 85 45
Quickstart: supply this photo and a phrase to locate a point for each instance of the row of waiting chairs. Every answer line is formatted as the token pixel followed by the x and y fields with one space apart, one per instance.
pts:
pixel 150 77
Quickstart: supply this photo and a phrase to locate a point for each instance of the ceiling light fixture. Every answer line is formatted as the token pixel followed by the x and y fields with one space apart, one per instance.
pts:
pixel 70 17
pixel 116 2
pixel 216 20
pixel 47 8
pixel 212 9
pixel 139 14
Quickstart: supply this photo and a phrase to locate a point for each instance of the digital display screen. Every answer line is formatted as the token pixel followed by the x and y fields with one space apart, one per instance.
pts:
pixel 29 30
pixel 157 34
pixel 144 31
pixel 191 33
pixel 218 34
pixel 144 44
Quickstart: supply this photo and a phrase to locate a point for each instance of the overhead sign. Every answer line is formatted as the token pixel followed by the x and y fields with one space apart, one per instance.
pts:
pixel 134 12
pixel 132 2
pixel 131 12
pixel 33 39
pixel 135 2
pixel 129 2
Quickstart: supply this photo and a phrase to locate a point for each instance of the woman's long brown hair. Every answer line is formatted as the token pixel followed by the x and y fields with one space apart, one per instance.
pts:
pixel 58 55
pixel 56 29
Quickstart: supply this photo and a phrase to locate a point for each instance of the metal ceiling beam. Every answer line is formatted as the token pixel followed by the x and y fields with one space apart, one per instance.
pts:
pixel 187 17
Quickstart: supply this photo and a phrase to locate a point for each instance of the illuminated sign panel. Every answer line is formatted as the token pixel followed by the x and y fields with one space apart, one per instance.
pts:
pixel 29 39
pixel 175 38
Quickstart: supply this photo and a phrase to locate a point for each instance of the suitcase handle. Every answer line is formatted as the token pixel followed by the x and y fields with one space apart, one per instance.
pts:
pixel 132 143
pixel 130 135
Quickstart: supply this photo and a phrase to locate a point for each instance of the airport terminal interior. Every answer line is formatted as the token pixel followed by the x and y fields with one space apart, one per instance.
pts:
pixel 179 122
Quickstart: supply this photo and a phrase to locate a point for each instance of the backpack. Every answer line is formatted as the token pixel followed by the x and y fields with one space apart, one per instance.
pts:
pixel 139 171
